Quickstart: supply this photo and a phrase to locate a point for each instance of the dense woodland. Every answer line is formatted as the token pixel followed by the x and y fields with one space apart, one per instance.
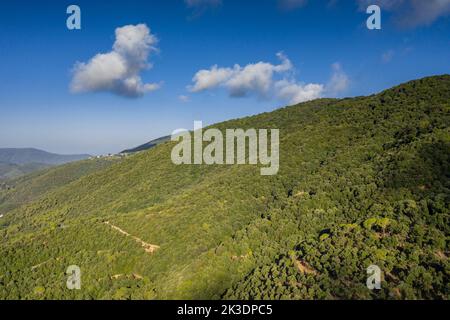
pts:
pixel 362 181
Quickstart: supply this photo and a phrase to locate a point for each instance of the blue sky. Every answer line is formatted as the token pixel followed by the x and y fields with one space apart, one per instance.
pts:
pixel 326 50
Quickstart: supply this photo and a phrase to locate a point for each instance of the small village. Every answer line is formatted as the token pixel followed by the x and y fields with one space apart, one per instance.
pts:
pixel 111 156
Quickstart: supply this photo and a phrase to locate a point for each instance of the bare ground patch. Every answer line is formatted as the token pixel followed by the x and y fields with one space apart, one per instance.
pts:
pixel 149 248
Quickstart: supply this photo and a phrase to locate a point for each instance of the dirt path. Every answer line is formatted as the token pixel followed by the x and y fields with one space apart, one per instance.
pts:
pixel 46 261
pixel 149 248
pixel 40 264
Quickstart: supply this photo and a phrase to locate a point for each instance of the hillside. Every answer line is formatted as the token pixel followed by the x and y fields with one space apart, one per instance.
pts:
pixel 30 155
pixel 11 170
pixel 362 181
pixel 29 187
pixel 16 162
pixel 148 145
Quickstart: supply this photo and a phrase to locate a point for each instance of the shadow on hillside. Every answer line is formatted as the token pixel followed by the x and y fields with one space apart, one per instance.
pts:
pixel 428 171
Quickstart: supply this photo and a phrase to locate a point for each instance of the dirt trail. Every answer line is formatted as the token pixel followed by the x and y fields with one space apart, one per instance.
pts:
pixel 40 264
pixel 149 248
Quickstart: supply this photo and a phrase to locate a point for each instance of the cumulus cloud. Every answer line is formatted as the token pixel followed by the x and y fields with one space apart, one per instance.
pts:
pixel 266 81
pixel 256 77
pixel 294 92
pixel 412 13
pixel 207 79
pixel 241 81
pixel 118 71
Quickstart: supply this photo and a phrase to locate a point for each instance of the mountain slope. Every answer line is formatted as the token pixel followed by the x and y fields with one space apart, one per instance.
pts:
pixel 32 186
pixel 148 145
pixel 15 162
pixel 11 170
pixel 30 155
pixel 362 181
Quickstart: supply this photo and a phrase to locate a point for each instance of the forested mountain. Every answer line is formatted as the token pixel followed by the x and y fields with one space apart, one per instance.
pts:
pixel 148 145
pixel 29 187
pixel 30 155
pixel 11 170
pixel 16 162
pixel 362 181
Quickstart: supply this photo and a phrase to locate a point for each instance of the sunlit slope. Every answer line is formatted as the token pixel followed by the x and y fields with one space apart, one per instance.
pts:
pixel 362 181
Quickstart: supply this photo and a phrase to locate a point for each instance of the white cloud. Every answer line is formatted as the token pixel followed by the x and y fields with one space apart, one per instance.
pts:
pixel 412 13
pixel 240 81
pixel 293 92
pixel 118 70
pixel 207 79
pixel 339 81
pixel 184 98
pixel 266 81
pixel 256 77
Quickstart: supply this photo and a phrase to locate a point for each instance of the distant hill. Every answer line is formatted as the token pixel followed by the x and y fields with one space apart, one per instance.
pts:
pixel 11 170
pixel 26 188
pixel 148 145
pixel 31 155
pixel 363 181
pixel 15 162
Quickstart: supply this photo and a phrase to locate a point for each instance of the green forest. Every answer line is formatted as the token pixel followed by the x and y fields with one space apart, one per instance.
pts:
pixel 362 181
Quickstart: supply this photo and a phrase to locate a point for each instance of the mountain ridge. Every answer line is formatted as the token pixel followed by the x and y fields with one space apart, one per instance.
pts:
pixel 148 145
pixel 32 155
